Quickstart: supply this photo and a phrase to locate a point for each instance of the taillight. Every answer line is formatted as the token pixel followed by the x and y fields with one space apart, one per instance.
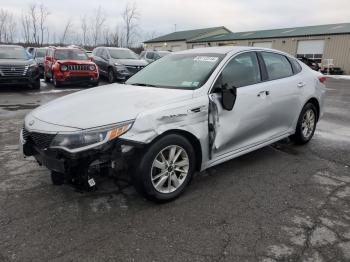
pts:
pixel 322 79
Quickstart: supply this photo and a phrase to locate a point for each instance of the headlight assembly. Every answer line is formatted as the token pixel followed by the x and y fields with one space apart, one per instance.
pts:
pixel 80 141
pixel 64 68
pixel 92 67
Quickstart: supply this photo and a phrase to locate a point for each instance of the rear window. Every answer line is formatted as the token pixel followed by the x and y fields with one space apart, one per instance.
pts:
pixel 277 65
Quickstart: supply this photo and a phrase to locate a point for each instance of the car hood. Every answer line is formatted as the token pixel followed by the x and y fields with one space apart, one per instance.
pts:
pixel 16 62
pixel 131 62
pixel 75 62
pixel 106 105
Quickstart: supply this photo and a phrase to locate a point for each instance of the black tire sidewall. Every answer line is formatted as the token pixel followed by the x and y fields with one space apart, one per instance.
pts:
pixel 110 72
pixel 142 175
pixel 57 178
pixel 299 136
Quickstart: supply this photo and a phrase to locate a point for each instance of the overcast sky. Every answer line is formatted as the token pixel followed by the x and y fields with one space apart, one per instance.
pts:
pixel 160 16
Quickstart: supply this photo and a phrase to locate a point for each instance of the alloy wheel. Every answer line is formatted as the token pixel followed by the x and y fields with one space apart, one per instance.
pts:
pixel 169 169
pixel 308 123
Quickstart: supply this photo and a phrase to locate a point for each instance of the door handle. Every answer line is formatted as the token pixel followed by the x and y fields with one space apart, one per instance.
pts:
pixel 263 93
pixel 301 84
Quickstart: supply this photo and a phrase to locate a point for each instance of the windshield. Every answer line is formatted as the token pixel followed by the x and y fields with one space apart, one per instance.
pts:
pixel 13 53
pixel 183 71
pixel 122 54
pixel 40 52
pixel 71 54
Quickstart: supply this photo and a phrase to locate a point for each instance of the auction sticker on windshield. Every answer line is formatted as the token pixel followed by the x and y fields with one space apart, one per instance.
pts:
pixel 211 59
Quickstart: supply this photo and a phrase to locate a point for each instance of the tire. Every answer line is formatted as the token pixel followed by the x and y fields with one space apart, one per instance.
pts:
pixel 94 84
pixel 57 178
pixel 306 125
pixel 111 76
pixel 152 178
pixel 36 85
pixel 46 78
pixel 55 82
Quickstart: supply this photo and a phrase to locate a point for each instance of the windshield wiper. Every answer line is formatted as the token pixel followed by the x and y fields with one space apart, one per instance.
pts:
pixel 142 84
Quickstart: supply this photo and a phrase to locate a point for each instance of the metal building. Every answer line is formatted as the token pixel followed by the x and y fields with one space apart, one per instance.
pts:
pixel 327 44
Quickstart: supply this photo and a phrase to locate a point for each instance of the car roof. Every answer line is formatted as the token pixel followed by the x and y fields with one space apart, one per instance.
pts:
pixel 115 48
pixel 226 50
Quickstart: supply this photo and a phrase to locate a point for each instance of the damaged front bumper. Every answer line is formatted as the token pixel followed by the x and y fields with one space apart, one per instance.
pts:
pixel 112 157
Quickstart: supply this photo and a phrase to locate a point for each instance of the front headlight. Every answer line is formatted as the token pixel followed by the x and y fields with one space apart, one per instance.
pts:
pixel 64 68
pixel 92 67
pixel 32 66
pixel 90 138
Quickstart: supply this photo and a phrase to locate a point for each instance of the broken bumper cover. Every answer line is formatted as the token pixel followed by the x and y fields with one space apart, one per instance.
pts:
pixel 117 152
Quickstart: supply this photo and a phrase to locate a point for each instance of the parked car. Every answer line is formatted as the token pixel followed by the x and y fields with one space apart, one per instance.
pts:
pixel 151 56
pixel 39 56
pixel 332 71
pixel 30 50
pixel 117 64
pixel 310 62
pixel 67 66
pixel 17 67
pixel 217 104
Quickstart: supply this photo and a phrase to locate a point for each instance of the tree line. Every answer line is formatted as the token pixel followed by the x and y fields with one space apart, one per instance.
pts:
pixel 31 28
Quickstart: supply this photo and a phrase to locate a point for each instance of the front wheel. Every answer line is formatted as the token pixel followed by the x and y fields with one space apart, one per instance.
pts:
pixel 46 78
pixel 165 169
pixel 306 125
pixel 55 82
pixel 111 77
pixel 57 178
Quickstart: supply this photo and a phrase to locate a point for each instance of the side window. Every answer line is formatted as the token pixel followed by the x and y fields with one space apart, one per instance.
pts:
pixel 150 55
pixel 296 66
pixel 277 65
pixel 104 54
pixel 242 70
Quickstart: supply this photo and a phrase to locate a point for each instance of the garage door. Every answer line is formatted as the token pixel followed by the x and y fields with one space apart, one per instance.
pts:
pixel 199 45
pixel 312 49
pixel 263 44
pixel 175 48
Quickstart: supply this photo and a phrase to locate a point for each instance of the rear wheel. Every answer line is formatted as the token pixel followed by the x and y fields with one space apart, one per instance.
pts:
pixel 111 77
pixel 306 125
pixel 57 178
pixel 165 169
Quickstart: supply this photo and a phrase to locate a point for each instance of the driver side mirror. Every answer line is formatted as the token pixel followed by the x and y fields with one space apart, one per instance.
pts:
pixel 228 94
pixel 228 97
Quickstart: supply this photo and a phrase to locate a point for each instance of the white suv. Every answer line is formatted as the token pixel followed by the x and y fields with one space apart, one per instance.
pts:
pixel 189 111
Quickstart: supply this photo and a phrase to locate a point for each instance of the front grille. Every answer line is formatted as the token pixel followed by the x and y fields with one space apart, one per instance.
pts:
pixel 8 70
pixel 78 67
pixel 134 69
pixel 41 140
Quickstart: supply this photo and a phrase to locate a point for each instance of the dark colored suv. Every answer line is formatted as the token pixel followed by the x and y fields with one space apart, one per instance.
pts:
pixel 17 67
pixel 117 64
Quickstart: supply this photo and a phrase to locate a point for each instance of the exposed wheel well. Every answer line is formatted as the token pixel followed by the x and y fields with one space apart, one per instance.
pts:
pixel 314 101
pixel 191 138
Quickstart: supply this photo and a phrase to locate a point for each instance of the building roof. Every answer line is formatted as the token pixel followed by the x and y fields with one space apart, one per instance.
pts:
pixel 184 35
pixel 329 29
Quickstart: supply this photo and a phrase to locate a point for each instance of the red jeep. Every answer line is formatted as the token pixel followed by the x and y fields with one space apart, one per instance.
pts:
pixel 69 66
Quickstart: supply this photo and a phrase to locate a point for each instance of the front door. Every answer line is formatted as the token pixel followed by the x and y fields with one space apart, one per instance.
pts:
pixel 247 124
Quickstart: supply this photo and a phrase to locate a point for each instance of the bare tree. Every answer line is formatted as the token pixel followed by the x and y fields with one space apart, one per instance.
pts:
pixel 10 29
pixel 66 31
pixel 84 30
pixel 97 24
pixel 130 17
pixel 34 22
pixel 3 21
pixel 43 14
pixel 25 22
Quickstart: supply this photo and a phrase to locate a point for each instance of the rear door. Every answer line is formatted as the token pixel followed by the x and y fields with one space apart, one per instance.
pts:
pixel 247 124
pixel 285 94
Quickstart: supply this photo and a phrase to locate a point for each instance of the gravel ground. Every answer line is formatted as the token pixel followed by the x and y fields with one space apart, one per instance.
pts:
pixel 280 203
